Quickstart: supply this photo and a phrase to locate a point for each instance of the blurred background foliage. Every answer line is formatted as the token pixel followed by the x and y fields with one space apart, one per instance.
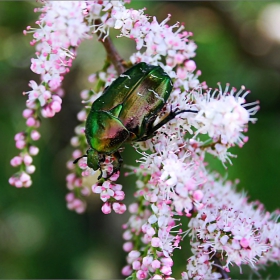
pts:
pixel 238 42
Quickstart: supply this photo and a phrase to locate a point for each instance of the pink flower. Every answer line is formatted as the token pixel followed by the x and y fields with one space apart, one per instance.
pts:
pixel 106 208
pixel 119 208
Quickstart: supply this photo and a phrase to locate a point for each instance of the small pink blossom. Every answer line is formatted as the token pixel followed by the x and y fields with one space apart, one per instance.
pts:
pixel 119 208
pixel 106 208
pixel 141 274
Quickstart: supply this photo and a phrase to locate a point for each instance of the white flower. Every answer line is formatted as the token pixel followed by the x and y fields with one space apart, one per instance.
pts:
pixel 223 115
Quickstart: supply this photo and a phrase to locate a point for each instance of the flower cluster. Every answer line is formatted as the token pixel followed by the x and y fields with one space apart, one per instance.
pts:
pixel 172 180
pixel 61 28
pixel 231 227
pixel 111 194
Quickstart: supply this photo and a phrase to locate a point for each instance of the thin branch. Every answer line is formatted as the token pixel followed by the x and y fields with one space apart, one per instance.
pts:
pixel 219 267
pixel 112 53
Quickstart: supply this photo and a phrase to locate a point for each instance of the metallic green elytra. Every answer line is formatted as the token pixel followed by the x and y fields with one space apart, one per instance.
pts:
pixel 126 112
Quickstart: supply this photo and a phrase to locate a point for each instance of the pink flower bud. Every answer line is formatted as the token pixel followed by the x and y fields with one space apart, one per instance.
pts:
pixel 127 246
pixel 76 154
pixel 156 264
pixel 20 144
pixel 126 271
pixel 78 182
pixel 166 270
pixel 167 261
pixel 12 181
pixel 24 177
pixel 81 209
pixel 127 235
pixel 150 231
pixel 198 195
pixel 30 121
pixel 27 113
pixel 179 58
pixel 70 197
pixel 19 136
pixel 35 135
pixel 74 141
pixel 134 255
pixel 82 116
pixel 77 203
pixel 33 150
pixel 27 184
pixel 92 78
pixel 146 238
pixel 136 265
pixel 27 159
pixel 106 208
pixel 16 161
pixel 56 106
pixel 147 260
pixel 70 177
pixel 190 65
pixel 84 94
pixel 18 184
pixel 85 191
pixel 47 95
pixel 133 208
pixel 182 73
pixel 30 169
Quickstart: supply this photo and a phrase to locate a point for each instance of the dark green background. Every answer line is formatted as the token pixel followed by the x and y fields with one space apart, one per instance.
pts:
pixel 39 237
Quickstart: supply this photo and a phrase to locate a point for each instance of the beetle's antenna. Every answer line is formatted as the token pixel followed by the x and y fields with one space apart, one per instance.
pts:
pixel 77 159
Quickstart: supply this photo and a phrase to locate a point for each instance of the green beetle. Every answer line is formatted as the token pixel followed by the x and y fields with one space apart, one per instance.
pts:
pixel 126 112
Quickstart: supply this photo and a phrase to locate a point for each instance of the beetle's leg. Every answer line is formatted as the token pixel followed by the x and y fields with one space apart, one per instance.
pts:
pixel 118 163
pixel 152 129
pixel 101 158
pixel 168 118
pixel 77 159
pixel 101 172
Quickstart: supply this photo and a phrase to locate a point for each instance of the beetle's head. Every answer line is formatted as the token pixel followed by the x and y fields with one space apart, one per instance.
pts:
pixel 93 159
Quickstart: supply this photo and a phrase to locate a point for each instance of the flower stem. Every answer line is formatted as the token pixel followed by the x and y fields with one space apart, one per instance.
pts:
pixel 219 267
pixel 112 53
